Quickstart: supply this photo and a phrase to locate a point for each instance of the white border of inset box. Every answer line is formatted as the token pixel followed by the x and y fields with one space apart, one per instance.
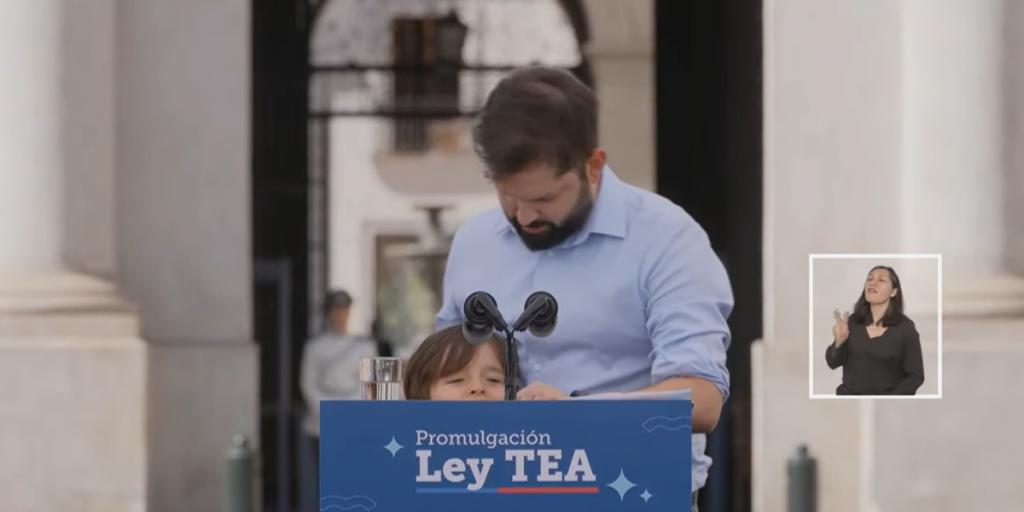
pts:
pixel 810 323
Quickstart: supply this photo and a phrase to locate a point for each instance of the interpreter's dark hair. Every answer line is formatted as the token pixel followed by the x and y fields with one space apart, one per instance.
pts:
pixel 893 314
pixel 537 115
pixel 442 354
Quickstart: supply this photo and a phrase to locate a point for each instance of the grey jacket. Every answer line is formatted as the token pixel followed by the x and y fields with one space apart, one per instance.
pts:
pixel 330 371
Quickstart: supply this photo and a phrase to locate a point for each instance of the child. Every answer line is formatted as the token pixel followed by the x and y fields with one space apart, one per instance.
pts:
pixel 447 367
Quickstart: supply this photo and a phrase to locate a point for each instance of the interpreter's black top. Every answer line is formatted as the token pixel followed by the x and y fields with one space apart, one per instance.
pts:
pixel 890 364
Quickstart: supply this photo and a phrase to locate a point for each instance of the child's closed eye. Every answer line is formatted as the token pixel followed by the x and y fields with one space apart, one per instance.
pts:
pixel 455 380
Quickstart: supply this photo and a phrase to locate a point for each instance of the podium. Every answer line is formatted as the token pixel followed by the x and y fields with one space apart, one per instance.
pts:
pixel 530 456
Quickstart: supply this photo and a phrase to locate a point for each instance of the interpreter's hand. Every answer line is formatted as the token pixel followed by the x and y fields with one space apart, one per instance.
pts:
pixel 540 391
pixel 841 331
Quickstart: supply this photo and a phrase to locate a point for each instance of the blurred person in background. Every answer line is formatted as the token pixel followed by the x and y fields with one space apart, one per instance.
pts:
pixel 330 362
pixel 877 346
pixel 643 299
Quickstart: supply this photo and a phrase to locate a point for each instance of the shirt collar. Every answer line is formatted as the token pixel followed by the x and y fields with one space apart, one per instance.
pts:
pixel 608 216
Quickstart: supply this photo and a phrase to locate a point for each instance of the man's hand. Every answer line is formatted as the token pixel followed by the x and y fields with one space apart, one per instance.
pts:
pixel 540 391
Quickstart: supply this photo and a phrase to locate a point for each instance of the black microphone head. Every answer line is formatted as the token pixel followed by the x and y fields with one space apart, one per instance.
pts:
pixel 477 334
pixel 477 304
pixel 478 324
pixel 547 317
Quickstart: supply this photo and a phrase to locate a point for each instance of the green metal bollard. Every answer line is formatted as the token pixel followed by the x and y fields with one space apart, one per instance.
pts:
pixel 238 476
pixel 802 470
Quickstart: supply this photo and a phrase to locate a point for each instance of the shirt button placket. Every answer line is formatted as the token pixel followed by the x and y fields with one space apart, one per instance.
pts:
pixel 539 283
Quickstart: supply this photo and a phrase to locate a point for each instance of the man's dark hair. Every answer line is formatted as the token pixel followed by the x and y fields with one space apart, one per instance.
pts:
pixel 893 314
pixel 537 115
pixel 337 299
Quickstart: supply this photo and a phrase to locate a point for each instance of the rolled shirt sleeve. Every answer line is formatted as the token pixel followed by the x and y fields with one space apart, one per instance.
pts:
pixel 688 300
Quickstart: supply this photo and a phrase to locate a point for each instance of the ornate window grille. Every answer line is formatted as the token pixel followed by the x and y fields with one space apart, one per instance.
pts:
pixel 427 66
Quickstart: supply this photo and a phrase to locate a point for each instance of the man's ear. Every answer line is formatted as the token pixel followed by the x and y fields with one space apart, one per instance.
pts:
pixel 595 164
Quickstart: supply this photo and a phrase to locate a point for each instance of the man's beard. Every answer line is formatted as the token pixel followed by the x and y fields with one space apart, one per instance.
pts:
pixel 557 233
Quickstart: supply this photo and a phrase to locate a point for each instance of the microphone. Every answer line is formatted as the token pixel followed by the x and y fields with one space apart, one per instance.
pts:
pixel 540 315
pixel 480 317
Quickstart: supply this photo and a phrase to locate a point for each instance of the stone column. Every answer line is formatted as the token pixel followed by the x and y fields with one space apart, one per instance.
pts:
pixel 956 176
pixel 952 175
pixel 72 370
pixel 1014 94
pixel 955 148
pixel 184 247
pixel 33 109
pixel 30 198
pixel 884 132
pixel 622 56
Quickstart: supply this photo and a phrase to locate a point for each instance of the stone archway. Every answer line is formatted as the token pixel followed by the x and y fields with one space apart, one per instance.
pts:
pixel 360 120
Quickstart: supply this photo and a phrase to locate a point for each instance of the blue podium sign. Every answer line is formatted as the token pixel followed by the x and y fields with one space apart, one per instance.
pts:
pixel 410 456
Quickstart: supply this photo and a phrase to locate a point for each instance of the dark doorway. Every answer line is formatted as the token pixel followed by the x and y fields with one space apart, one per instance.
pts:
pixel 280 240
pixel 290 161
pixel 709 144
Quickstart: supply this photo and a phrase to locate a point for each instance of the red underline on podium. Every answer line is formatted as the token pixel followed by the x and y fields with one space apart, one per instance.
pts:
pixel 547 490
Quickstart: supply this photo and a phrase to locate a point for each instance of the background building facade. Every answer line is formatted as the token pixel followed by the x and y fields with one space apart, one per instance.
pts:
pixel 893 127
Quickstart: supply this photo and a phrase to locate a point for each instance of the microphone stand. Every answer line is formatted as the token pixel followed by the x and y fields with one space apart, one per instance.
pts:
pixel 511 366
pixel 533 309
pixel 490 314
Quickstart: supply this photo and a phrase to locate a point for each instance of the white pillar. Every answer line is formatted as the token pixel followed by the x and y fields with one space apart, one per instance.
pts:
pixel 621 54
pixel 30 151
pixel 953 141
pixel 33 118
pixel 887 134
pixel 957 111
pixel 72 369
pixel 183 233
pixel 1014 197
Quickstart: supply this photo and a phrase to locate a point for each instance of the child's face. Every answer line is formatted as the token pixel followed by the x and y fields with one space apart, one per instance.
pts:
pixel 482 379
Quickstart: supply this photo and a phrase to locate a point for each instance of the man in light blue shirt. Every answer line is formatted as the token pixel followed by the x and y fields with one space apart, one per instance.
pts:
pixel 643 299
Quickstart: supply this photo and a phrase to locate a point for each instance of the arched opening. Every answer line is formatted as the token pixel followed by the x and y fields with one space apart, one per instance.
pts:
pixel 708 149
pixel 394 87
pixel 298 89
